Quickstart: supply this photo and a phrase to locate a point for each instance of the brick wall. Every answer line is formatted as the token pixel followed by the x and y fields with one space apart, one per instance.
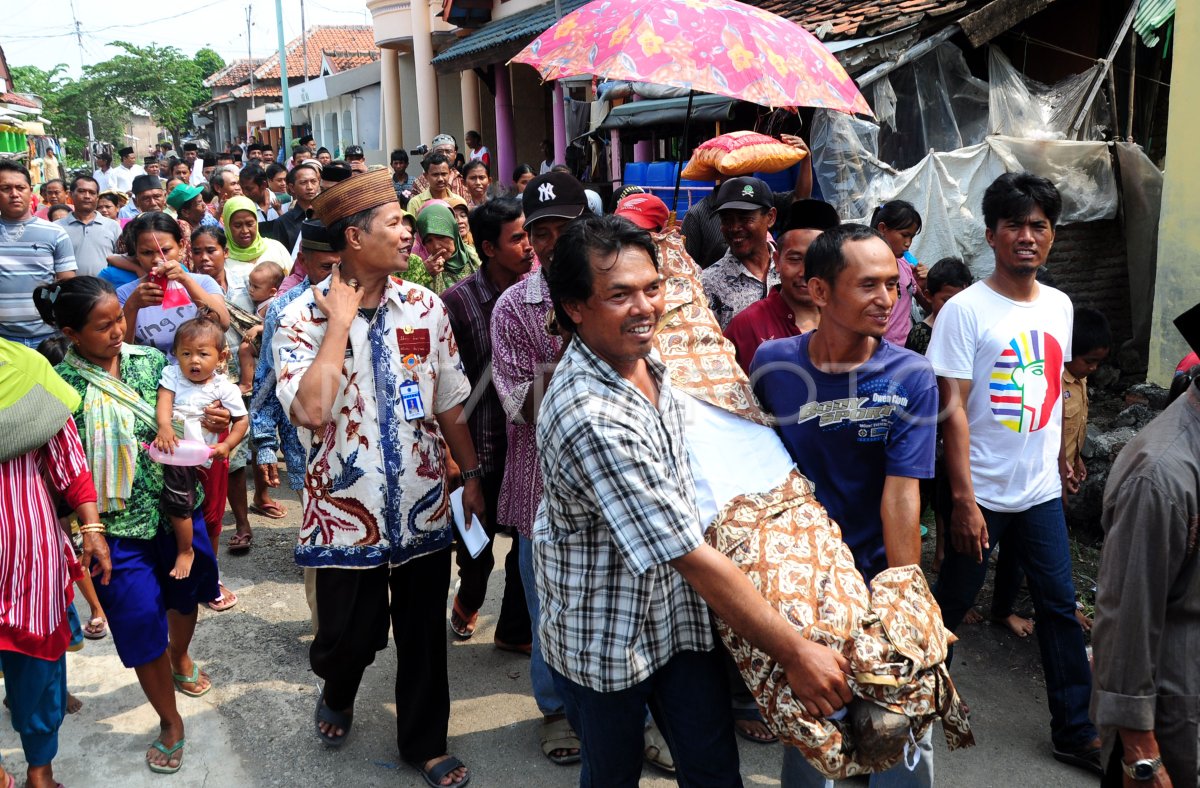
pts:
pixel 1088 263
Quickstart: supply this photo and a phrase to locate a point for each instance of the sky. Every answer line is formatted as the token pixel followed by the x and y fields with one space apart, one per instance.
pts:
pixel 47 37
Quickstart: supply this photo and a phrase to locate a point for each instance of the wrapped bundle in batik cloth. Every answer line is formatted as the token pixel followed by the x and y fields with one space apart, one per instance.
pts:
pixel 892 636
pixel 786 544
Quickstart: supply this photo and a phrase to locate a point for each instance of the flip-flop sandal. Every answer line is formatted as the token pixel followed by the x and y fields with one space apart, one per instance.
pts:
pixel 169 752
pixel 461 624
pixel 655 750
pixel 10 782
pixel 337 719
pixel 240 544
pixel 751 715
pixel 558 735
pixel 91 632
pixel 226 600
pixel 181 679
pixel 276 512
pixel 434 776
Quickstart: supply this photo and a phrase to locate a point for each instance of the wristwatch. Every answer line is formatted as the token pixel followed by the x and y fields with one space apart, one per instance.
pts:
pixel 1143 769
pixel 474 473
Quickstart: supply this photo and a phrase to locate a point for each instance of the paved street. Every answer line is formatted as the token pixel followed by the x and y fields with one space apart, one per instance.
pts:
pixel 255 727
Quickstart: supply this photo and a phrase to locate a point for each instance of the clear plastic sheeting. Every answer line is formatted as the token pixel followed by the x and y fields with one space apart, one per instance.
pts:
pixel 947 187
pixel 936 104
pixel 845 157
pixel 1022 107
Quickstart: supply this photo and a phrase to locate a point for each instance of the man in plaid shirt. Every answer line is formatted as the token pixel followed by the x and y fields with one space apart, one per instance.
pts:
pixel 622 570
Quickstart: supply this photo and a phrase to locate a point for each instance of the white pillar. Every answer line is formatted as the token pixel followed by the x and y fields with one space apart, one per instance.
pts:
pixel 427 89
pixel 393 126
pixel 471 115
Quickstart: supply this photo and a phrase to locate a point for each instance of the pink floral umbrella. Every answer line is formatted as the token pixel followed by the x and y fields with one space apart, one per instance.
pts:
pixel 707 46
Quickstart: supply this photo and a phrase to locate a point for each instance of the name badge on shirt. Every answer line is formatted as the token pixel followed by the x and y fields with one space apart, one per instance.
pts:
pixel 410 399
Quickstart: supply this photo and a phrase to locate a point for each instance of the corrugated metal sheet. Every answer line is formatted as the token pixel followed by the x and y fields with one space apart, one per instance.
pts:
pixel 1151 15
pixel 502 36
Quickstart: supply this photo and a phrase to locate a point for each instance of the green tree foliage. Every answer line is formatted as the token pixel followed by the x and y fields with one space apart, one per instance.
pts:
pixel 66 103
pixel 160 80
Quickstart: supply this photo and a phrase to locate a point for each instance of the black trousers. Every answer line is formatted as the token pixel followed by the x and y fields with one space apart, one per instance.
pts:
pixel 353 610
pixel 513 626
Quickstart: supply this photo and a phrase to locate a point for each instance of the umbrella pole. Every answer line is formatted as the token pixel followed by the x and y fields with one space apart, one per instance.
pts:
pixel 687 125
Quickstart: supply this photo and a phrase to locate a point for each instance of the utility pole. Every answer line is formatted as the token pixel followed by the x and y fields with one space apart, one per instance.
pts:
pixel 283 78
pixel 304 40
pixel 250 60
pixel 79 41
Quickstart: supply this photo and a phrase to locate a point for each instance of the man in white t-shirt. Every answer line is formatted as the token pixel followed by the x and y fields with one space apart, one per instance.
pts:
pixel 998 349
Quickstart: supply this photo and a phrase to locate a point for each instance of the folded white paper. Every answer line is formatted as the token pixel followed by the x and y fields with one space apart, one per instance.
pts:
pixel 474 538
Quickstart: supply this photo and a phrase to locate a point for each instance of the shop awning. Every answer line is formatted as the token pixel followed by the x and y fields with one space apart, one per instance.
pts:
pixel 498 41
pixel 668 112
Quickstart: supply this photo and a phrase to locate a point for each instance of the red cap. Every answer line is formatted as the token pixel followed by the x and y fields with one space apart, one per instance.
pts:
pixel 645 210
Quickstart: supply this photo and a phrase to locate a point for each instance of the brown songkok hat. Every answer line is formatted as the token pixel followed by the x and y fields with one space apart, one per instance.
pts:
pixel 352 195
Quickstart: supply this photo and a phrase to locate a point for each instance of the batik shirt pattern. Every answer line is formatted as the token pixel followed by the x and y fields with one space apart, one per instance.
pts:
pixel 375 490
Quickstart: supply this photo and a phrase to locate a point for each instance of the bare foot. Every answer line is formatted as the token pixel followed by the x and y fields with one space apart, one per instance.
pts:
pixel 38 777
pixel 74 704
pixel 1021 627
pixel 453 777
pixel 756 730
pixel 1085 623
pixel 972 617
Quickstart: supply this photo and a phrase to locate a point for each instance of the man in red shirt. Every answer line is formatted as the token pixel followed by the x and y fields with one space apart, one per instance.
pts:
pixel 788 310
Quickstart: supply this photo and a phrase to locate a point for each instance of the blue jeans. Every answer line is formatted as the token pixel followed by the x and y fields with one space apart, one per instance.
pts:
pixel 689 698
pixel 797 773
pixel 548 700
pixel 1037 539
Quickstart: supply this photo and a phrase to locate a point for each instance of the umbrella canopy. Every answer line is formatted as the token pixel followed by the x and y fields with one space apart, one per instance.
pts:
pixel 709 46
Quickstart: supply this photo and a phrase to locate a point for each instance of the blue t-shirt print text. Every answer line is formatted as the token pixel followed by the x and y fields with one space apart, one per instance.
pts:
pixel 871 415
pixel 847 432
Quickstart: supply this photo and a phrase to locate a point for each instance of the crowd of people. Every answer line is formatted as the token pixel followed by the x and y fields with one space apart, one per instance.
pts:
pixel 615 396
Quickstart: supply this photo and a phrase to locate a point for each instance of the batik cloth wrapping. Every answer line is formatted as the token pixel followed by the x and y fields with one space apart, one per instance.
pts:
pixel 891 635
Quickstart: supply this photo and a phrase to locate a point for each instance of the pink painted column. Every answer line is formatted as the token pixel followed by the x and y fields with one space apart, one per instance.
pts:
pixel 643 150
pixel 560 125
pixel 506 159
pixel 614 156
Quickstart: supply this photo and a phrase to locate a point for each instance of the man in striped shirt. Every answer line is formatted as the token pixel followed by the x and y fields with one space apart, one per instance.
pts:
pixel 33 252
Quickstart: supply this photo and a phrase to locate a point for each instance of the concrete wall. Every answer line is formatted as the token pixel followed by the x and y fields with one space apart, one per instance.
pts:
pixel 1177 284
pixel 1088 263
pixel 532 117
pixel 450 117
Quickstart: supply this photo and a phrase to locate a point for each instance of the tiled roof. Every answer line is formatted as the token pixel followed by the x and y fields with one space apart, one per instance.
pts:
pixel 260 91
pixel 18 100
pixel 502 38
pixel 233 74
pixel 834 19
pixel 344 61
pixel 321 39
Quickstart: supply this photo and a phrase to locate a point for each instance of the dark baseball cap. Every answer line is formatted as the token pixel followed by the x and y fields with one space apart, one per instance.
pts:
pixel 354 152
pixel 555 195
pixel 745 193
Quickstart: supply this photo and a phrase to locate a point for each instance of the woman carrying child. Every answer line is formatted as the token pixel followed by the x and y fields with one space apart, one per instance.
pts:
pixel 152 616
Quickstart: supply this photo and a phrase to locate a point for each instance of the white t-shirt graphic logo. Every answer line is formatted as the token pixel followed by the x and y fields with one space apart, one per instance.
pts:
pixel 546 192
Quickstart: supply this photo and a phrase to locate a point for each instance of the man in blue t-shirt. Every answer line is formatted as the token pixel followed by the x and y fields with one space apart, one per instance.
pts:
pixel 859 417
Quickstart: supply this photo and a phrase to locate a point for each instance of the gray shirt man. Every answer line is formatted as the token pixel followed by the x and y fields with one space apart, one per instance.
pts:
pixel 1147 675
pixel 93 242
